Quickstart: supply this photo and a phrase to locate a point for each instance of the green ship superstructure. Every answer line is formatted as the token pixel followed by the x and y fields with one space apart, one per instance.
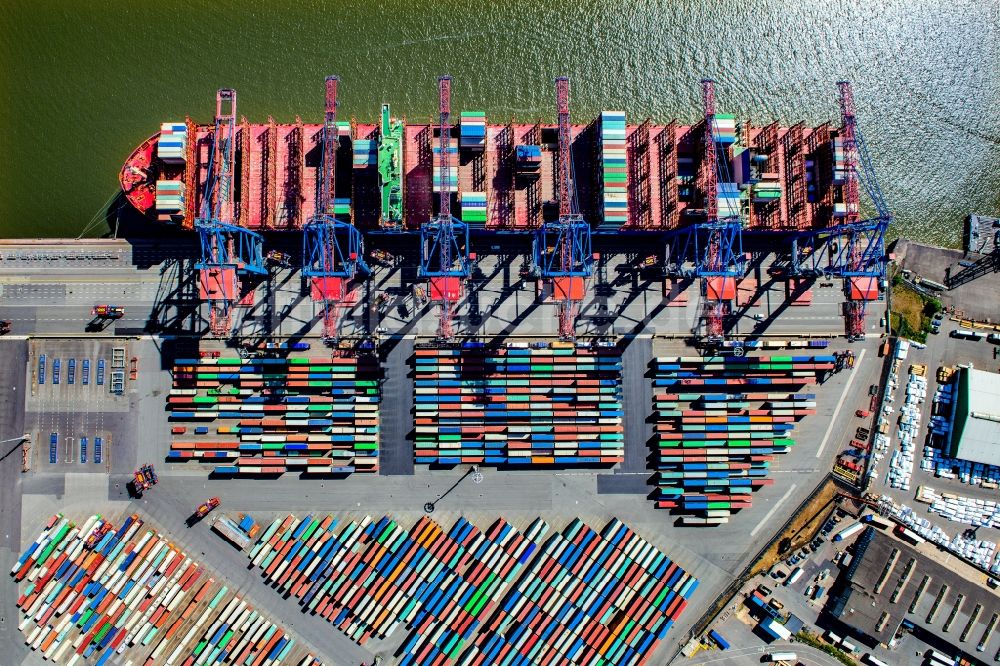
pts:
pixel 390 168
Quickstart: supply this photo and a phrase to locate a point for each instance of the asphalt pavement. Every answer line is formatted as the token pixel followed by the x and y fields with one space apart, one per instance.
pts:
pixel 155 283
pixel 13 360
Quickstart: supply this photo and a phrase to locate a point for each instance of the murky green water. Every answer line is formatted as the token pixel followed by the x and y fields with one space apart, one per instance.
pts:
pixel 82 83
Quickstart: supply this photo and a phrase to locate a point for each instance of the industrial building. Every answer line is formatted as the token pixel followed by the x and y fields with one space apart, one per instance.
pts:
pixel 889 583
pixel 975 417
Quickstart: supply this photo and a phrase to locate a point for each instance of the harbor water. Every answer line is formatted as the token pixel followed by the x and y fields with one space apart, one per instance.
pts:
pixel 85 82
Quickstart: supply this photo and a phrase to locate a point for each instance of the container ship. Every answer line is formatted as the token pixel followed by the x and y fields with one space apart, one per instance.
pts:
pixel 629 176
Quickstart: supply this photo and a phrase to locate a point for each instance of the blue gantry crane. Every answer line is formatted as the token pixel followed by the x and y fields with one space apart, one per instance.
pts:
pixel 444 240
pixel 854 249
pixel 332 249
pixel 228 251
pixel 562 249
pixel 711 250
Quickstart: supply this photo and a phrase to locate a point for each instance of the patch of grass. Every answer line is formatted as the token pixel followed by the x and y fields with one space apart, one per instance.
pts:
pixel 912 312
pixel 800 530
pixel 812 639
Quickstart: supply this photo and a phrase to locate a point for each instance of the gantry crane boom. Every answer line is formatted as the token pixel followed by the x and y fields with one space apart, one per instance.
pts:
pixel 562 248
pixel 227 250
pixel 444 241
pixel 865 262
pixel 332 249
pixel 720 265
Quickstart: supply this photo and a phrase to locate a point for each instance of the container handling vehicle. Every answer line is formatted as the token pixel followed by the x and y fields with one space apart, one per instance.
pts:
pixel 206 507
pixel 108 311
pixel 145 478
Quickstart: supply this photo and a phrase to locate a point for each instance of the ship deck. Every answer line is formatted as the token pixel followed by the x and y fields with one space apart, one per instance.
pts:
pixel 277 166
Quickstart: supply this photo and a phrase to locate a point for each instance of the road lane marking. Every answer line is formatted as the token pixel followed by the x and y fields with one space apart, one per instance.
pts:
pixel 774 508
pixel 840 403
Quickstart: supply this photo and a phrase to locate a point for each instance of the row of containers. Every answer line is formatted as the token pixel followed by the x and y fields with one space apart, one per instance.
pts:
pixel 614 169
pixel 365 153
pixel 719 423
pixel 474 208
pixel 84 441
pixel 172 145
pixel 70 371
pixel 445 182
pixel 97 591
pixel 518 407
pixel 498 596
pixel 272 415
pixel 169 199
pixel 472 130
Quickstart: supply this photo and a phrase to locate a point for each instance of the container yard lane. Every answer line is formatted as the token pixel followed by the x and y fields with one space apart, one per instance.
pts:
pixel 51 289
pixel 13 360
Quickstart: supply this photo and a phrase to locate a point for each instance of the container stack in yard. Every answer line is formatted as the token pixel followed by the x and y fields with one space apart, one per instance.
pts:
pixel 717 439
pixel 370 576
pixel 272 415
pixel 559 406
pixel 133 593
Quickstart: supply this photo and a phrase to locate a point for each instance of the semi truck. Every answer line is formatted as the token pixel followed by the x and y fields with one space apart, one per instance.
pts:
pixel 108 311
pixel 848 531
pixel 206 507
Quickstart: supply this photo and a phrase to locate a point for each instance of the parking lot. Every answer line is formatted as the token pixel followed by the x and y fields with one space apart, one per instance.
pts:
pixel 71 395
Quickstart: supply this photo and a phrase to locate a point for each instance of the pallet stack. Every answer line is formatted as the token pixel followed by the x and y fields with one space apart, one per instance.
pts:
pixel 100 591
pixel 588 598
pixel 272 415
pixel 518 407
pixel 719 423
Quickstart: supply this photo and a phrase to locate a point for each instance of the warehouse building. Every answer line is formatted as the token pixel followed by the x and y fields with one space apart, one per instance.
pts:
pixel 890 582
pixel 975 417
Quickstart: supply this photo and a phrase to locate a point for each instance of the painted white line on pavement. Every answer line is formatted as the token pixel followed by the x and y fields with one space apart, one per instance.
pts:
pixel 840 403
pixel 774 508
